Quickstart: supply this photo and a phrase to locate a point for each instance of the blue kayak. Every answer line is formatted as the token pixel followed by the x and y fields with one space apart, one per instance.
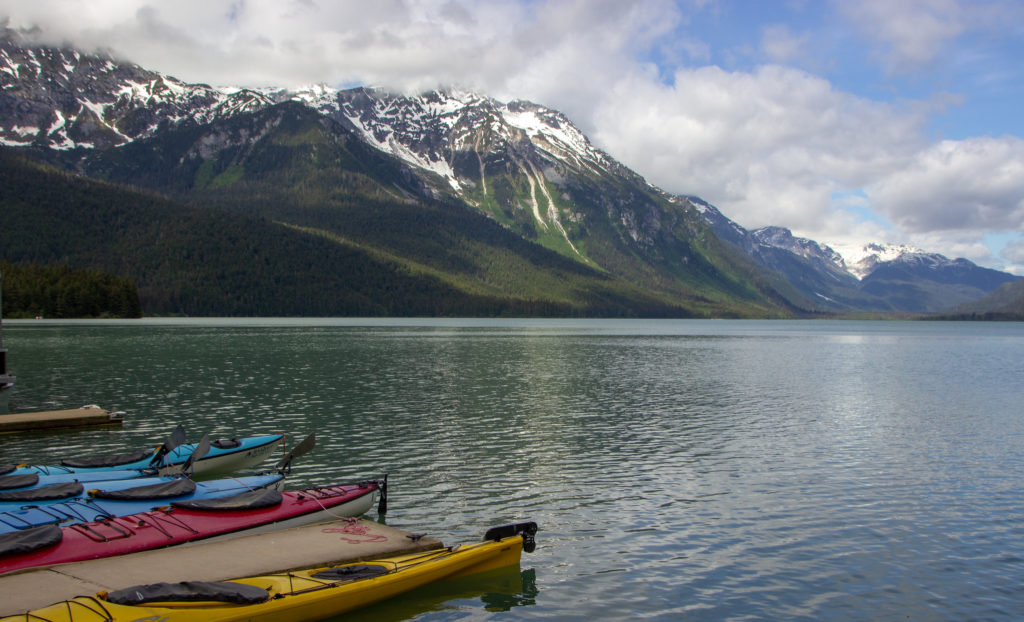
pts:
pixel 68 491
pixel 100 504
pixel 224 456
pixel 27 481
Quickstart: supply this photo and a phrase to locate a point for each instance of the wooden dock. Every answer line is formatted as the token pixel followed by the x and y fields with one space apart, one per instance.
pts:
pixel 310 546
pixel 54 419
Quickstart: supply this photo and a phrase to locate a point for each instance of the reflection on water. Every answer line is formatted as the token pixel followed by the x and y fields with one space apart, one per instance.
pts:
pixel 493 591
pixel 707 470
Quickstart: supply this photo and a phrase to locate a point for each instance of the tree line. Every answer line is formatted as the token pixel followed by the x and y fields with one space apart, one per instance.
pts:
pixel 60 291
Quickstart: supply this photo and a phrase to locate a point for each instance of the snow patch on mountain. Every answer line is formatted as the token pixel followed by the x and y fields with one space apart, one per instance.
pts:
pixel 862 259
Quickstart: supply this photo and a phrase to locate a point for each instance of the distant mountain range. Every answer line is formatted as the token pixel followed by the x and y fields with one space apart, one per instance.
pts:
pixel 503 207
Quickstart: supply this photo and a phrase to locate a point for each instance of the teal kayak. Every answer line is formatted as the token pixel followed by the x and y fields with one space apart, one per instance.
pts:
pixel 224 456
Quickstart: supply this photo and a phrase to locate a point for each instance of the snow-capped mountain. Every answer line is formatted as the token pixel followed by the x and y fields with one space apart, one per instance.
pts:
pixel 874 276
pixel 861 260
pixel 780 237
pixel 432 130
pixel 469 140
pixel 524 165
pixel 62 99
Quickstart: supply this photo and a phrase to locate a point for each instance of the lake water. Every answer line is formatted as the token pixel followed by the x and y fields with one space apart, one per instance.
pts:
pixel 695 470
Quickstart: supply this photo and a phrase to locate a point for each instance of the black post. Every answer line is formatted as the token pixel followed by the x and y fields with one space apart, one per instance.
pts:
pixel 5 380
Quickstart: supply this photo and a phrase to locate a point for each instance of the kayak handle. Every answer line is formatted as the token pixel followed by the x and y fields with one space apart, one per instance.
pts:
pixel 528 530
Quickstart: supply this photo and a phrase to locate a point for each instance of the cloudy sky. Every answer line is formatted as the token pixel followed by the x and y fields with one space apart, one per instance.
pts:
pixel 874 120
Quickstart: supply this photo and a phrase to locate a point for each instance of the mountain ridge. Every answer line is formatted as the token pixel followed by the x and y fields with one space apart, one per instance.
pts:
pixel 523 165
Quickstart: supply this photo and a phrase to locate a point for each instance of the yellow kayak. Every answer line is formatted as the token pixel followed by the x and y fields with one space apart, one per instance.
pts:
pixel 311 594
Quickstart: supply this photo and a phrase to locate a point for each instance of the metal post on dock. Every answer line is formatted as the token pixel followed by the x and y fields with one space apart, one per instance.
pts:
pixel 5 379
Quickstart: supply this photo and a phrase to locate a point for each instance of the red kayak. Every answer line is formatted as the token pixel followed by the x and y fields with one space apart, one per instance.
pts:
pixel 253 512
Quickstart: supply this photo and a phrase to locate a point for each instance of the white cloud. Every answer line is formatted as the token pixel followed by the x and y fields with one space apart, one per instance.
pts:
pixel 780 45
pixel 911 33
pixel 1015 252
pixel 402 44
pixel 769 147
pixel 974 184
pixel 1014 255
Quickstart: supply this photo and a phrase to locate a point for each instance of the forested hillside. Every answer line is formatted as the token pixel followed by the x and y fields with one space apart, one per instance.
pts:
pixel 287 164
pixel 362 201
pixel 59 291
pixel 206 262
pixel 1006 303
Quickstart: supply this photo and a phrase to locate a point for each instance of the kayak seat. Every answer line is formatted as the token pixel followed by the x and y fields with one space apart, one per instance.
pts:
pixel 226 443
pixel 190 591
pixel 107 461
pixel 249 500
pixel 352 572
pixel 45 493
pixel 18 481
pixel 163 490
pixel 28 540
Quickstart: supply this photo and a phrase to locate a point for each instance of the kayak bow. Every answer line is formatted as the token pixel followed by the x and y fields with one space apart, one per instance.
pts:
pixel 312 594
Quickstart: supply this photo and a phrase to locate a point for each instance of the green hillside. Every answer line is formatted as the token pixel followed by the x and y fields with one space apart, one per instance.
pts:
pixel 290 165
pixel 206 262
pixel 59 291
pixel 1006 303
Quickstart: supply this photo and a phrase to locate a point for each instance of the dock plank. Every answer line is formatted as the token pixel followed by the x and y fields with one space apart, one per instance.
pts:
pixel 53 419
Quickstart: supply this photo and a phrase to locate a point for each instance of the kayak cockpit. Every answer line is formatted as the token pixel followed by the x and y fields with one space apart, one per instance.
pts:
pixel 190 592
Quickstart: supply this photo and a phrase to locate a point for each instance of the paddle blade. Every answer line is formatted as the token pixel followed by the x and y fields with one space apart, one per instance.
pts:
pixel 197 454
pixel 177 437
pixel 174 439
pixel 301 449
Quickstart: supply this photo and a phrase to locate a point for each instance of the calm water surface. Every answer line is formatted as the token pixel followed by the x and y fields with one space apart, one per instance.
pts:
pixel 695 470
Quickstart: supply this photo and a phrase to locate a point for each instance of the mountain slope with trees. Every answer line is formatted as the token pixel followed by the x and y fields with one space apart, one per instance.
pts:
pixel 58 291
pixel 492 201
pixel 290 165
pixel 206 261
pixel 1006 303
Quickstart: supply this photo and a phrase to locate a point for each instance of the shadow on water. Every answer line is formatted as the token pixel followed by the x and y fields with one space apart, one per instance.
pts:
pixel 493 591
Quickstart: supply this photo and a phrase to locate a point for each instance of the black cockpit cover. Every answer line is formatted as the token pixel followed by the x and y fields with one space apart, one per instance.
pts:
pixel 28 540
pixel 352 572
pixel 190 591
pixel 107 461
pixel 45 493
pixel 249 500
pixel 18 481
pixel 164 490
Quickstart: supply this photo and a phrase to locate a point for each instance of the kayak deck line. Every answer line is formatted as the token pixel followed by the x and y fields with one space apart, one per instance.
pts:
pixel 281 551
pixel 56 419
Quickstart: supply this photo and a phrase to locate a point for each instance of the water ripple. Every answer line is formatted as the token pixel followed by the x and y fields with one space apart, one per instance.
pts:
pixel 703 471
